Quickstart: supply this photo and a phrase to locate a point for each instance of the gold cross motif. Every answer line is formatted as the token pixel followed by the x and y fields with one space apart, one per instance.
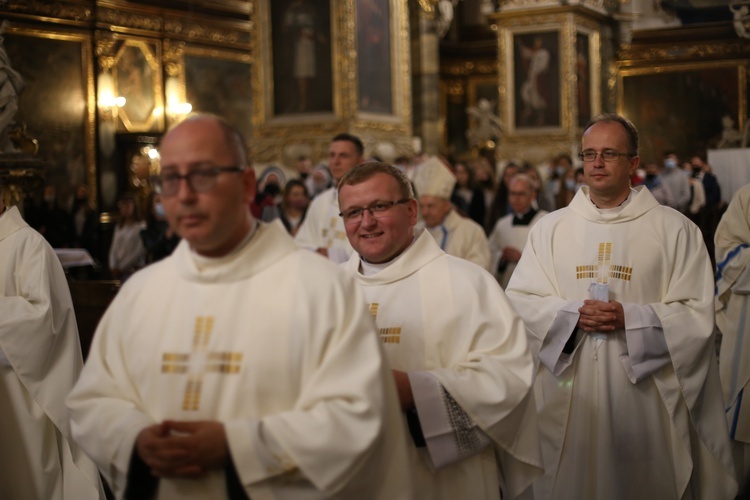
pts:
pixel 604 270
pixel 331 230
pixel 388 335
pixel 200 361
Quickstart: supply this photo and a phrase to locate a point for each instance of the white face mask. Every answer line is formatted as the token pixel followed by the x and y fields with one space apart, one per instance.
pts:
pixel 670 163
pixel 570 184
pixel 159 210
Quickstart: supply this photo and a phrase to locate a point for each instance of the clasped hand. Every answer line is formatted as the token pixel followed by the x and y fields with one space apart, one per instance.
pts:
pixel 183 449
pixel 598 316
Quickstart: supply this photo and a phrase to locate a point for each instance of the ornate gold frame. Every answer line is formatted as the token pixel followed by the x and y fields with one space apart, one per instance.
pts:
pixel 271 133
pixel 151 50
pixel 90 95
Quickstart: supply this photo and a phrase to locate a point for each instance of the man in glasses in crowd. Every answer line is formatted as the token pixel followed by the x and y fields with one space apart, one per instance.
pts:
pixel 202 383
pixel 617 295
pixel 458 351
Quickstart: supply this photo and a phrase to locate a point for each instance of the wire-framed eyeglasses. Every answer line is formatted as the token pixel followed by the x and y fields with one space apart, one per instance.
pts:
pixel 608 155
pixel 200 180
pixel 377 210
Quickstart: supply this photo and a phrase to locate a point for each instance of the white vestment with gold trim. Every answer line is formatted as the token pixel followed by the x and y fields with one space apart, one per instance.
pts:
pixel 448 318
pixel 606 434
pixel 324 228
pixel 271 340
pixel 40 359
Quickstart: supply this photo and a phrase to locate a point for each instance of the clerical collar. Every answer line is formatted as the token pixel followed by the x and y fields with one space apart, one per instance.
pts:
pixel 619 208
pixel 524 219
pixel 202 262
pixel 368 268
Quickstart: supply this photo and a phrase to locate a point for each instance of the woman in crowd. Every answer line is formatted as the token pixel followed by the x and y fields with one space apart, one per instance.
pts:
pixel 127 255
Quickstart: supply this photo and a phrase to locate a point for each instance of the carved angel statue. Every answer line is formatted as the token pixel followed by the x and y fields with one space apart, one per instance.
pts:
pixel 730 136
pixel 741 19
pixel 488 125
pixel 11 85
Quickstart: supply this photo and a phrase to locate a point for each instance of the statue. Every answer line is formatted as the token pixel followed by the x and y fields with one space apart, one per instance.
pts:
pixel 11 85
pixel 488 125
pixel 741 20
pixel 730 136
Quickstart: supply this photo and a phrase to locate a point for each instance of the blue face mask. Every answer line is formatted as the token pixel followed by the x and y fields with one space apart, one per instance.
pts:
pixel 570 184
pixel 560 170
pixel 670 163
pixel 159 210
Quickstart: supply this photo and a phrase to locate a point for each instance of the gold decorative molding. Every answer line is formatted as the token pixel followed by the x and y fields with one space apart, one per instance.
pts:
pixel 52 10
pixel 466 68
pixel 123 19
pixel 631 55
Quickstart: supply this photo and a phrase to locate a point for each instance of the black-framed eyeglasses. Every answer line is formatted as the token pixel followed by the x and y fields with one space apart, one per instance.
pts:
pixel 377 210
pixel 608 155
pixel 200 180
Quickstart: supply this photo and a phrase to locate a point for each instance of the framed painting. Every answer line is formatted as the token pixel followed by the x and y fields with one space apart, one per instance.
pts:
pixel 583 79
pixel 56 104
pixel 137 78
pixel 536 80
pixel 374 56
pixel 218 82
pixel 301 60
pixel 680 107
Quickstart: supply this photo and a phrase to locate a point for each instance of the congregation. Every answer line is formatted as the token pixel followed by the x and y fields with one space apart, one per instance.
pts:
pixel 418 328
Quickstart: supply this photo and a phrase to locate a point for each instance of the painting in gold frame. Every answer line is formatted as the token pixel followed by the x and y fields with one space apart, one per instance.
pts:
pixel 57 104
pixel 137 77
pixel 679 107
pixel 219 82
pixel 536 79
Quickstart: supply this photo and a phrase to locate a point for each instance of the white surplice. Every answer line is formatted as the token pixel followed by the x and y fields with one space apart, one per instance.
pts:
pixel 732 241
pixel 273 341
pixel 619 417
pixel 446 318
pixel 462 238
pixel 40 359
pixel 324 228
pixel 505 234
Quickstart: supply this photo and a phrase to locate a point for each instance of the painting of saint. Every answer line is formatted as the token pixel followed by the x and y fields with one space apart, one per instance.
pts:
pixel 135 80
pixel 537 80
pixel 583 79
pixel 301 34
pixel 374 56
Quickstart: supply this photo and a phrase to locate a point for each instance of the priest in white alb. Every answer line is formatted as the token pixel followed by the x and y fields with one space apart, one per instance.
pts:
pixel 509 235
pixel 732 243
pixel 241 366
pixel 40 360
pixel 322 230
pixel 616 293
pixel 458 350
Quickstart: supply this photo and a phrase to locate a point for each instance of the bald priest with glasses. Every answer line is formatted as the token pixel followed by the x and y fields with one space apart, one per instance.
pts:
pixel 202 383
pixel 616 293
pixel 458 351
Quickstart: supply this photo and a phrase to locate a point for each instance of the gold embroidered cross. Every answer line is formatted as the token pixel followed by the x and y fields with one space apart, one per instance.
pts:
pixel 604 270
pixel 199 362
pixel 331 233
pixel 388 335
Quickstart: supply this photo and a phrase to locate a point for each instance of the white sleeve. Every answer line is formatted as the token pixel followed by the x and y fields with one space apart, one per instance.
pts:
pixel 255 451
pixel 647 346
pixel 551 354
pixel 448 431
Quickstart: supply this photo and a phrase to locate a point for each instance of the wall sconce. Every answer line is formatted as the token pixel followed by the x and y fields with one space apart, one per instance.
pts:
pixel 177 109
pixel 107 101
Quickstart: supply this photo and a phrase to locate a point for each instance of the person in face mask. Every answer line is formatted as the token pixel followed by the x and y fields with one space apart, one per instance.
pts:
pixel 653 183
pixel 158 238
pixel 294 205
pixel 676 181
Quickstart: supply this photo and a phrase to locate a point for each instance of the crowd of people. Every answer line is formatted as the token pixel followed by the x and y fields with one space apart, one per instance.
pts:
pixel 427 329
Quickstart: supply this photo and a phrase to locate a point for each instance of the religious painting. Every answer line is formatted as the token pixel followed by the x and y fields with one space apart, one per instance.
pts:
pixel 583 79
pixel 536 80
pixel 375 88
pixel 302 66
pixel 680 107
pixel 53 104
pixel 219 83
pixel 137 77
